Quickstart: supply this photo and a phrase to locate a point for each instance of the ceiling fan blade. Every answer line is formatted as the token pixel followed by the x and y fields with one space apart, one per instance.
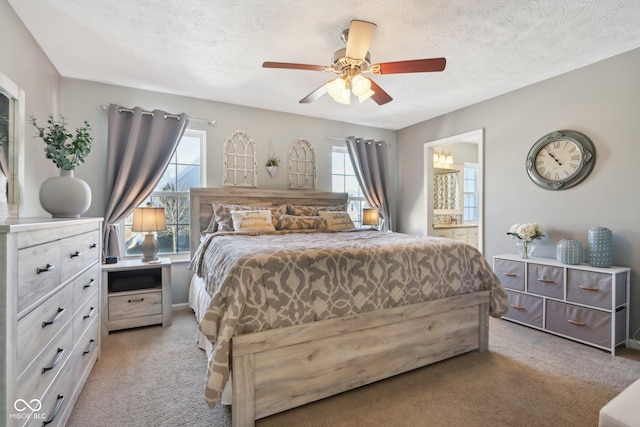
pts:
pixel 413 66
pixel 291 66
pixel 359 39
pixel 379 96
pixel 314 95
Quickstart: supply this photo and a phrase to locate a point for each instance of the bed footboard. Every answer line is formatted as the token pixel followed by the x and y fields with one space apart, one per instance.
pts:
pixel 280 369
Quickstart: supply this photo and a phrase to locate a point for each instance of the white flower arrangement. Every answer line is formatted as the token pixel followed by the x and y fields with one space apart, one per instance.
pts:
pixel 526 232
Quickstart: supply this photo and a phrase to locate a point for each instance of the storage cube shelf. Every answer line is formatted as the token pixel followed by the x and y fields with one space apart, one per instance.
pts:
pixel 579 302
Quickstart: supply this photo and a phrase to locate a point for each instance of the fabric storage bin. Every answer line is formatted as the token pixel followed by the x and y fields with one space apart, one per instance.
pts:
pixel 545 280
pixel 525 308
pixel 510 273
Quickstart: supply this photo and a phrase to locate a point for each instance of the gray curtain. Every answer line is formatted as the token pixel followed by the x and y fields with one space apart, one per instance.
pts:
pixel 369 160
pixel 140 145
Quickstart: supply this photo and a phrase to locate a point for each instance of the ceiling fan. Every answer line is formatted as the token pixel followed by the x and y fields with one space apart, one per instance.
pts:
pixel 353 61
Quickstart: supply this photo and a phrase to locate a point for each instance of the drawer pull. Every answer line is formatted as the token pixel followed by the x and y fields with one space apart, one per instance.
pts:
pixel 93 246
pixel 510 274
pixel 49 267
pixel 55 319
pixel 92 344
pixel 86 316
pixel 55 411
pixel 75 254
pixel 588 288
pixel 88 285
pixel 543 280
pixel 55 362
pixel 518 307
pixel 576 322
pixel 136 300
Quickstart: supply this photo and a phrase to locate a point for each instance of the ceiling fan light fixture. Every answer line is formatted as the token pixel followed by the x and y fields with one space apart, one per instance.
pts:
pixel 366 96
pixel 360 85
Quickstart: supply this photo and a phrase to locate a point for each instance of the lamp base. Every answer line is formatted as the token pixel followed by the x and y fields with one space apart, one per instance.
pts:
pixel 149 248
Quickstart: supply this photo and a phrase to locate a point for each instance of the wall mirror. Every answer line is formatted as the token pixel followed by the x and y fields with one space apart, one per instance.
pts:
pixel 12 121
pixel 447 191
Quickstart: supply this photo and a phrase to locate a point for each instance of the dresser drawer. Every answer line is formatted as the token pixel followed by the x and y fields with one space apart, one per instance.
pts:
pixel 38 273
pixel 76 252
pixel 545 280
pixel 582 323
pixel 85 285
pixel 594 289
pixel 135 305
pixel 36 329
pixel 86 352
pixel 85 315
pixel 37 377
pixel 56 401
pixel 525 308
pixel 510 273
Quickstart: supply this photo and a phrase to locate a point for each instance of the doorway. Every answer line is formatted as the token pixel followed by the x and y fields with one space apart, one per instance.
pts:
pixel 455 154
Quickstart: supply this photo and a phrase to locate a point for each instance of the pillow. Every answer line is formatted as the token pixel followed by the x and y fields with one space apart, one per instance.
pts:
pixel 302 210
pixel 337 220
pixel 293 222
pixel 252 220
pixel 222 213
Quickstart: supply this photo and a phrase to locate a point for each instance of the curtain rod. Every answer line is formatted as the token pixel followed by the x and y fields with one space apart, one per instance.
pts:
pixel 166 116
pixel 339 138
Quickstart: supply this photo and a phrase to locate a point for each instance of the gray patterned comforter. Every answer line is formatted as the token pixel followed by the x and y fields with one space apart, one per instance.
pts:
pixel 262 281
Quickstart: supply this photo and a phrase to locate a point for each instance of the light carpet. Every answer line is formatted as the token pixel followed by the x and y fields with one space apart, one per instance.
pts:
pixel 155 377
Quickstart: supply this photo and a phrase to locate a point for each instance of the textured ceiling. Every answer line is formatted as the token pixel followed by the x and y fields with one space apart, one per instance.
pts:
pixel 213 49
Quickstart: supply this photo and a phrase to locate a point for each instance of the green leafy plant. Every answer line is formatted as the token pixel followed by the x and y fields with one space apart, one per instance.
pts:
pixel 273 161
pixel 65 150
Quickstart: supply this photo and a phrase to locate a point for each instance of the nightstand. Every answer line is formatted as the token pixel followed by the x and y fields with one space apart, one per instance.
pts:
pixel 136 293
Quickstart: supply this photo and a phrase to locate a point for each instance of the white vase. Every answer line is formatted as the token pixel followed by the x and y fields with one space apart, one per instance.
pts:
pixel 272 170
pixel 65 196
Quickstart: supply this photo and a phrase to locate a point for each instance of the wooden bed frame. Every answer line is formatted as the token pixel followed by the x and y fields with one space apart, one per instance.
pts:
pixel 280 369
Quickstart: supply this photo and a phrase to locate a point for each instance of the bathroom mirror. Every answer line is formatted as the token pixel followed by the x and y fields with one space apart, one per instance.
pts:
pixel 447 191
pixel 12 121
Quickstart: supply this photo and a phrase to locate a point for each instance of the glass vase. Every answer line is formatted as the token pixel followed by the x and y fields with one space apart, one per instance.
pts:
pixel 526 249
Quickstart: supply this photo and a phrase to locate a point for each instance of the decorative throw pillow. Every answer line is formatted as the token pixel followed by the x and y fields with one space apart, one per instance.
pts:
pixel 302 210
pixel 338 220
pixel 293 222
pixel 252 220
pixel 222 213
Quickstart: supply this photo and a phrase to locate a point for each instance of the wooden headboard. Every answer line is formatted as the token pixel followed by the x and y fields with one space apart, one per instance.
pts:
pixel 202 209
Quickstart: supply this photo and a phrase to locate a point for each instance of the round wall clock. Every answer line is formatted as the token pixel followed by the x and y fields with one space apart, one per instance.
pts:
pixel 560 160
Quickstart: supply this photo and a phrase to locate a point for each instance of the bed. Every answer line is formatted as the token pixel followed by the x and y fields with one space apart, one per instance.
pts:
pixel 291 317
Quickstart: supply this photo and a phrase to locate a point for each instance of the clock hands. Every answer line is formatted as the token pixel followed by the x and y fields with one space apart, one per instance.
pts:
pixel 553 157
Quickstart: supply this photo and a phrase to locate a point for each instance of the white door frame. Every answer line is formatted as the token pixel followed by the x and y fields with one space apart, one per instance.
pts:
pixel 473 137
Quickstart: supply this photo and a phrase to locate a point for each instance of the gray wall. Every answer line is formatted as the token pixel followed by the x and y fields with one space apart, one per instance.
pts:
pixel 601 101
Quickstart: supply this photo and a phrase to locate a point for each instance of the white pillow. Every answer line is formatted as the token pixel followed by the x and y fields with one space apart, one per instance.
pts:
pixel 252 220
pixel 338 220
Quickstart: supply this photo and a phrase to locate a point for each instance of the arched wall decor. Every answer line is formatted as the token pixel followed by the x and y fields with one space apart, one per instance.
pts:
pixel 302 165
pixel 240 160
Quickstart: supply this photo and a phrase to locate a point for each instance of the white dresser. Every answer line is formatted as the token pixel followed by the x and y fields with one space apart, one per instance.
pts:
pixel 50 322
pixel 579 302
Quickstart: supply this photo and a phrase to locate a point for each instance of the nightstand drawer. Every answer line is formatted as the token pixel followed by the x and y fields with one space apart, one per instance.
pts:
pixel 135 305
pixel 510 273
pixel 525 308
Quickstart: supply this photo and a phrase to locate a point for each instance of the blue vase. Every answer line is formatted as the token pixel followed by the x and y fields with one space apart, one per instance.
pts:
pixel 569 251
pixel 600 247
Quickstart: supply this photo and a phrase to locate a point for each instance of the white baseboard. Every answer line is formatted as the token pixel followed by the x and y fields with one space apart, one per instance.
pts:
pixel 634 344
pixel 180 307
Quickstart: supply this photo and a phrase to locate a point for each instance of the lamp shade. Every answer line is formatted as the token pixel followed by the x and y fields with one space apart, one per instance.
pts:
pixel 370 216
pixel 148 220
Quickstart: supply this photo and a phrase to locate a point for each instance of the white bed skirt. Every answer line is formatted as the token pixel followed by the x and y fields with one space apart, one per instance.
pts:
pixel 199 301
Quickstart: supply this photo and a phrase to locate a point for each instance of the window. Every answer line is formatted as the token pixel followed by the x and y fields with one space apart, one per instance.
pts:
pixel 344 181
pixel 470 192
pixel 172 193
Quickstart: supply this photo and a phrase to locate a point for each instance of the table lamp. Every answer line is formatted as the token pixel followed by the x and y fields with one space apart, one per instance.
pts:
pixel 371 216
pixel 149 220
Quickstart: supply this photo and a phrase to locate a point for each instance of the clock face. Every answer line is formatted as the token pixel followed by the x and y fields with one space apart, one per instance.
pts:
pixel 558 160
